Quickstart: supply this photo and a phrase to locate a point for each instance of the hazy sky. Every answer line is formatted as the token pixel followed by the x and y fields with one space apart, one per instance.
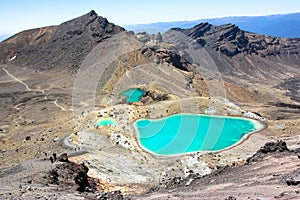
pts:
pixel 18 15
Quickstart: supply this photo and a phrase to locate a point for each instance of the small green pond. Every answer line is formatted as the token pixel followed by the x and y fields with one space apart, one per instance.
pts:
pixel 106 122
pixel 133 94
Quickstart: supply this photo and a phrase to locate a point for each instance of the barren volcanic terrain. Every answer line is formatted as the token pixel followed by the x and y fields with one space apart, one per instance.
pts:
pixel 57 82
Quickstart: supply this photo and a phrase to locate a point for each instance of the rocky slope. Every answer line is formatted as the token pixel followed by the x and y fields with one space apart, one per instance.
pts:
pixel 63 46
pixel 261 178
pixel 246 55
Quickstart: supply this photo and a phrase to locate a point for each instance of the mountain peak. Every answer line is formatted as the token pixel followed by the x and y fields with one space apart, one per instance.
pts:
pixel 92 13
pixel 74 39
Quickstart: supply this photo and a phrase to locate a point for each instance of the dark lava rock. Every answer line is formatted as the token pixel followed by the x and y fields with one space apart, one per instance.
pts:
pixel 114 195
pixel 176 180
pixel 173 183
pixel 274 146
pixel 81 179
pixel 286 105
pixel 297 151
pixel 154 96
pixel 53 177
pixel 269 147
pixel 153 189
pixel 63 158
pixel 257 114
pixel 70 174
pixel 165 56
pixel 51 159
pixel 28 138
pixel 293 181
pixel 54 156
pixel 230 198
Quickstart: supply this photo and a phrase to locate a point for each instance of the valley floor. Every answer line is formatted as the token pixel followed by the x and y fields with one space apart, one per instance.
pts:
pixel 38 119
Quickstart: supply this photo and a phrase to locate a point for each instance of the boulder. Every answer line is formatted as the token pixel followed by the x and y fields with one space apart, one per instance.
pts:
pixel 269 147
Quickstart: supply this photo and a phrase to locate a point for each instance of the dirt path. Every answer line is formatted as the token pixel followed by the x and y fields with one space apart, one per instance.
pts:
pixel 16 79
pixel 34 90
pixel 59 106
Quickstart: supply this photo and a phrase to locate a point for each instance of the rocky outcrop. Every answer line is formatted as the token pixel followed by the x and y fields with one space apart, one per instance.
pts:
pixel 230 40
pixel 164 56
pixel 114 195
pixel 269 147
pixel 154 96
pixel 71 174
pixel 237 53
pixel 160 54
pixel 294 180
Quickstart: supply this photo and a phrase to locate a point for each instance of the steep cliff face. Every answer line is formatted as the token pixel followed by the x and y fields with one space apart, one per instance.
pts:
pixel 230 40
pixel 63 46
pixel 245 55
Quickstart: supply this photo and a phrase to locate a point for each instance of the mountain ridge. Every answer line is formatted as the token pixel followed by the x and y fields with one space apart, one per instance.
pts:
pixel 64 45
pixel 236 52
pixel 269 24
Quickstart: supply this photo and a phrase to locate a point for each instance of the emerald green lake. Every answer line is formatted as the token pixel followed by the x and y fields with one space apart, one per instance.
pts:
pixel 133 94
pixel 184 133
pixel 106 122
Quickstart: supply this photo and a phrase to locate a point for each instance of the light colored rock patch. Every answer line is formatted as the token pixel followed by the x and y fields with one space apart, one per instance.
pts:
pixel 210 111
pixel 119 139
pixel 232 111
pixel 195 164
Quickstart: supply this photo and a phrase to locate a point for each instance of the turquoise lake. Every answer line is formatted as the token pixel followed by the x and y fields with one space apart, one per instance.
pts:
pixel 106 122
pixel 184 133
pixel 133 94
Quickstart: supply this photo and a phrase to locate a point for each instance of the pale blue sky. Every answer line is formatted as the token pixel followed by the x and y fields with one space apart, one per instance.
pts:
pixel 18 15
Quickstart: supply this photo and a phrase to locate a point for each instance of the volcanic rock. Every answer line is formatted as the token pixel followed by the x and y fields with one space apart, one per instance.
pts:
pixel 269 147
pixel 72 174
pixel 239 53
pixel 58 47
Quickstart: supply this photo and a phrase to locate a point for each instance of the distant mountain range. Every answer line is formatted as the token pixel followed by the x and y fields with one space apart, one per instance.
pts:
pixel 285 25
